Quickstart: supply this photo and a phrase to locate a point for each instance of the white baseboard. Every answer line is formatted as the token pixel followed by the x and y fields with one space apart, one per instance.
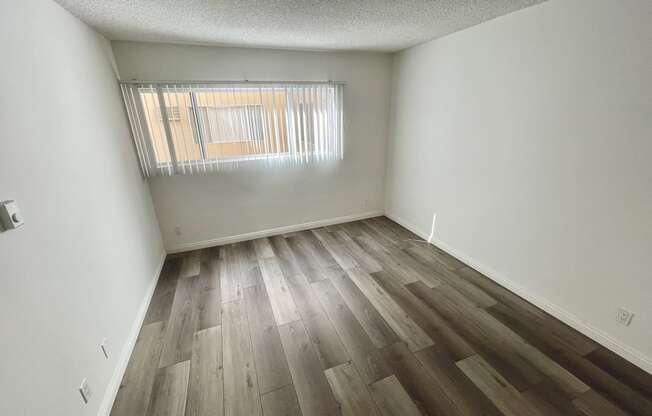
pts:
pixel 271 232
pixel 632 355
pixel 114 383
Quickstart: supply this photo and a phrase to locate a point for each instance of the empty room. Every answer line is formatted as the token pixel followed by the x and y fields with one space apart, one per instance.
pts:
pixel 326 208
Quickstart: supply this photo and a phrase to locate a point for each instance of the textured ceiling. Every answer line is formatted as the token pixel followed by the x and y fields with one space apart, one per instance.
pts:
pixel 381 25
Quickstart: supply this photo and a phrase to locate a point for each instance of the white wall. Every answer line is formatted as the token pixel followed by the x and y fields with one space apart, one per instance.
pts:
pixel 530 137
pixel 80 267
pixel 225 204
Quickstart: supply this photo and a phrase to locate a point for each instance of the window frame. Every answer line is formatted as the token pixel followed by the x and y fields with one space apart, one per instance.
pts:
pixel 247 108
pixel 154 162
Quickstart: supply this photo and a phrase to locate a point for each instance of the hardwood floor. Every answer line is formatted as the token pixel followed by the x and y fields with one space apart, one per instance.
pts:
pixel 361 318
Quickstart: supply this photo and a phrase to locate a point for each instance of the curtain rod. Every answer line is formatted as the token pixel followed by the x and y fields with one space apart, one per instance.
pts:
pixel 242 82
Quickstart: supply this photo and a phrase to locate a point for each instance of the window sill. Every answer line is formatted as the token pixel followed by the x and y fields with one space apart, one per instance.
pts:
pixel 213 165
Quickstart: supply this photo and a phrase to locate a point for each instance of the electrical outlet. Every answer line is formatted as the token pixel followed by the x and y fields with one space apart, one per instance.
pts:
pixel 105 348
pixel 625 316
pixel 85 390
pixel 177 230
pixel 10 216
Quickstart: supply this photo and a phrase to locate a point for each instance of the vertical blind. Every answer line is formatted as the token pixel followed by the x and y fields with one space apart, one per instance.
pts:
pixel 185 128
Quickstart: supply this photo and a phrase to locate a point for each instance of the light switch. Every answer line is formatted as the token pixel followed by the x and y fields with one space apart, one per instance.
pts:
pixel 10 215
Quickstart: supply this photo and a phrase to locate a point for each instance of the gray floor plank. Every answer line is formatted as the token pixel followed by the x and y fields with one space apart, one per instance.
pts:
pixel 170 391
pixel 269 357
pixel 327 343
pixel 371 320
pixel 313 391
pixel 241 394
pixel 230 275
pixel 356 341
pixel 183 322
pixel 504 396
pixel 350 391
pixel 283 306
pixel 161 303
pixel 190 265
pixel 281 402
pixel 210 343
pixel 205 389
pixel 396 317
pixel 136 387
pixel 392 399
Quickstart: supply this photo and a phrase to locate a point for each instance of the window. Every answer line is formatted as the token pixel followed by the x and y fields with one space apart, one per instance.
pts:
pixel 224 124
pixel 182 129
pixel 173 114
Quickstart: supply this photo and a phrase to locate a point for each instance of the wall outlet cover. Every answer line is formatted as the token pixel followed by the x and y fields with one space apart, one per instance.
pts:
pixel 625 316
pixel 10 216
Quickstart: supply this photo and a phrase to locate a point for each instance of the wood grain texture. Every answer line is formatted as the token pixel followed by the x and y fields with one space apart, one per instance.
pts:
pixel 386 260
pixel 310 255
pixel 170 391
pixel 209 268
pixel 262 248
pixel 482 334
pixel 395 316
pixel 285 257
pixel 230 275
pixel 210 298
pixel 161 303
pixel 335 248
pixel 283 305
pixel 350 391
pixel 371 320
pixel 616 391
pixel 496 388
pixel 356 341
pixel 304 258
pixel 205 389
pixel 210 343
pixel 468 399
pixel 313 392
pixel 625 371
pixel 327 343
pixel 549 400
pixel 271 367
pixel 136 387
pixel 241 394
pixel 392 399
pixel 592 404
pixel 281 402
pixel 210 308
pixel 366 262
pixel 183 322
pixel 425 391
pixel 247 259
pixel 319 252
pixel 190 265
pixel 546 333
pixel 434 325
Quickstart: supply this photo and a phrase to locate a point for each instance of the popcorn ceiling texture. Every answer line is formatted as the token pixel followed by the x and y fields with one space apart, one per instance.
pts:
pixel 379 25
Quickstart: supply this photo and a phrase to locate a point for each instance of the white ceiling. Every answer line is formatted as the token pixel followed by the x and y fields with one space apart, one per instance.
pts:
pixel 380 25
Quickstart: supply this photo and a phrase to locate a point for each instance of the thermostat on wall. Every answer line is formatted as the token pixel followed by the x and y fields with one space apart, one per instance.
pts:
pixel 10 215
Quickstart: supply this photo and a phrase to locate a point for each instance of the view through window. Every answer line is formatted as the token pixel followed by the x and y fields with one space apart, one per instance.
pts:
pixel 188 128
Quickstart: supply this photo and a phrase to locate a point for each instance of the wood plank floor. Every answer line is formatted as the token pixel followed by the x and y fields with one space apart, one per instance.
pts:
pixel 362 318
